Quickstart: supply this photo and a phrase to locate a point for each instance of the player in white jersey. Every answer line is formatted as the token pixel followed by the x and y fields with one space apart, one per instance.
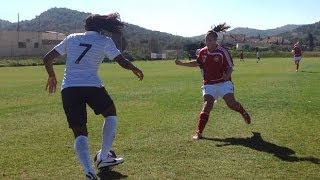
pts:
pixel 81 85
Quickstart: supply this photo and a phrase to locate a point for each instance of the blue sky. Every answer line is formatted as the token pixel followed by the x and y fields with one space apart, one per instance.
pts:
pixel 180 17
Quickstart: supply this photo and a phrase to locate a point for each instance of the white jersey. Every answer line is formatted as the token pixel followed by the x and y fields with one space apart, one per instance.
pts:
pixel 85 52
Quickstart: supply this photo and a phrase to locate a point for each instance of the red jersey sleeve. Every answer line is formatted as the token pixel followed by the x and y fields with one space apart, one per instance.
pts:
pixel 200 58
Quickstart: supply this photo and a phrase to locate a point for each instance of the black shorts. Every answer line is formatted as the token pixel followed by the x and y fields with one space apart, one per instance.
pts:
pixel 75 99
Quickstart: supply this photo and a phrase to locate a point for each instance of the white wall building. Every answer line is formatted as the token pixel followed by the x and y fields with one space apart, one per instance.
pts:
pixel 26 43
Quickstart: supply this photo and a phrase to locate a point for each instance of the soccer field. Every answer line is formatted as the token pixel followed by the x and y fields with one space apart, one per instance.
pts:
pixel 157 118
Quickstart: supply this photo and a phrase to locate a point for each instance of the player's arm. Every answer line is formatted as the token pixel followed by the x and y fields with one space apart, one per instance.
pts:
pixel 126 64
pixel 192 63
pixel 228 66
pixel 48 63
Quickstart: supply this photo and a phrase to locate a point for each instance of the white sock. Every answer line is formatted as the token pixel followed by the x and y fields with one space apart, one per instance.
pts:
pixel 108 134
pixel 82 149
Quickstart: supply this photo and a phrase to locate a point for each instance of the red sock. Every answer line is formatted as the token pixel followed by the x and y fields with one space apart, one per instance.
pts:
pixel 202 121
pixel 240 109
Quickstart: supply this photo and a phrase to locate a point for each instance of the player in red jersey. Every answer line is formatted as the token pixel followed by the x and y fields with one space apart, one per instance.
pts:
pixel 217 65
pixel 297 54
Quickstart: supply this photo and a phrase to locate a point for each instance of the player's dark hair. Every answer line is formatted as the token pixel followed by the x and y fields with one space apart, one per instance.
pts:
pixel 99 23
pixel 219 28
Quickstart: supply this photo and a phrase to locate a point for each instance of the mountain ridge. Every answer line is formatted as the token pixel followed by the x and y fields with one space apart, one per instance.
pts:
pixel 140 42
pixel 249 32
pixel 41 21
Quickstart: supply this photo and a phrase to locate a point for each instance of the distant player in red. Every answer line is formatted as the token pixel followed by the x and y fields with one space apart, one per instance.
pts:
pixel 297 54
pixel 217 65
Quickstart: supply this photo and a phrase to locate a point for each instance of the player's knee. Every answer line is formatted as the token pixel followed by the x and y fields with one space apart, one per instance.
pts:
pixel 233 105
pixel 79 131
pixel 110 111
pixel 208 100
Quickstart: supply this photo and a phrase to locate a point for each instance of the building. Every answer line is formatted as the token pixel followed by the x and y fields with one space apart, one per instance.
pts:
pixel 26 43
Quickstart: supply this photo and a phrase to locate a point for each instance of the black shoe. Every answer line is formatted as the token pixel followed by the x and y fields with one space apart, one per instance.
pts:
pixel 91 176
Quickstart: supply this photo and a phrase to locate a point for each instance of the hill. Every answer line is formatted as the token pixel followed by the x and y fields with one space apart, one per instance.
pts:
pixel 249 32
pixel 4 24
pixel 309 35
pixel 55 19
pixel 137 41
pixel 140 42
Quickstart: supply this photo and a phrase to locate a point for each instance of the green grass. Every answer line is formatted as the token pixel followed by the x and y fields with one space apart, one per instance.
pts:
pixel 157 118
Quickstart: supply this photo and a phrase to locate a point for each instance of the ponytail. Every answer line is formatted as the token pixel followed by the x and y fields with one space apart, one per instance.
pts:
pixel 219 28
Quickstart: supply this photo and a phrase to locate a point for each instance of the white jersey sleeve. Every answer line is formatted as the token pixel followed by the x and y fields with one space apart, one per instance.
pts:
pixel 61 48
pixel 111 50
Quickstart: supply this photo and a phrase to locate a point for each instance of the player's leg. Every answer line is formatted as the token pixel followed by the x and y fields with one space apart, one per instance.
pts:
pixel 81 147
pixel 227 92
pixel 296 62
pixel 236 106
pixel 101 103
pixel 108 130
pixel 208 101
pixel 204 115
pixel 75 110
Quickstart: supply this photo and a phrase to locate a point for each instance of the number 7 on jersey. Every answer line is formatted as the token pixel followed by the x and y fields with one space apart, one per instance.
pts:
pixel 88 46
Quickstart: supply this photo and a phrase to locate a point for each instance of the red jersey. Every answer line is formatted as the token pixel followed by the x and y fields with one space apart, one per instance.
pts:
pixel 214 64
pixel 297 51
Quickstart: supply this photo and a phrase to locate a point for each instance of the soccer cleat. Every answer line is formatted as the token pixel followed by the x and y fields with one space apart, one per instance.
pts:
pixel 110 161
pixel 91 176
pixel 197 136
pixel 246 117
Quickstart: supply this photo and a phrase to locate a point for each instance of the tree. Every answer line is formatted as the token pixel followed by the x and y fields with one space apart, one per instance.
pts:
pixel 311 41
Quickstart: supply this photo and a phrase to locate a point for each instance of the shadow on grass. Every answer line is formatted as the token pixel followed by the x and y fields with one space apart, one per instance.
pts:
pixel 111 175
pixel 309 71
pixel 257 143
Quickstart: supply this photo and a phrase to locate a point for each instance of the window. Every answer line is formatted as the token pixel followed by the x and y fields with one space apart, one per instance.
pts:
pixel 36 45
pixel 22 44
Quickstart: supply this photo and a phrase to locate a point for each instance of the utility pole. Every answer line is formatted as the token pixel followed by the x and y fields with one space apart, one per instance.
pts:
pixel 18 25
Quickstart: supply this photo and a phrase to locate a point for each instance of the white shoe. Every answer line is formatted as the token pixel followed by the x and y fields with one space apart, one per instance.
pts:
pixel 110 161
pixel 197 136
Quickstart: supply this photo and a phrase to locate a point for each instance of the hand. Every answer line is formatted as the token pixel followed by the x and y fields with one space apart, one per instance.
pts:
pixel 138 73
pixel 51 84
